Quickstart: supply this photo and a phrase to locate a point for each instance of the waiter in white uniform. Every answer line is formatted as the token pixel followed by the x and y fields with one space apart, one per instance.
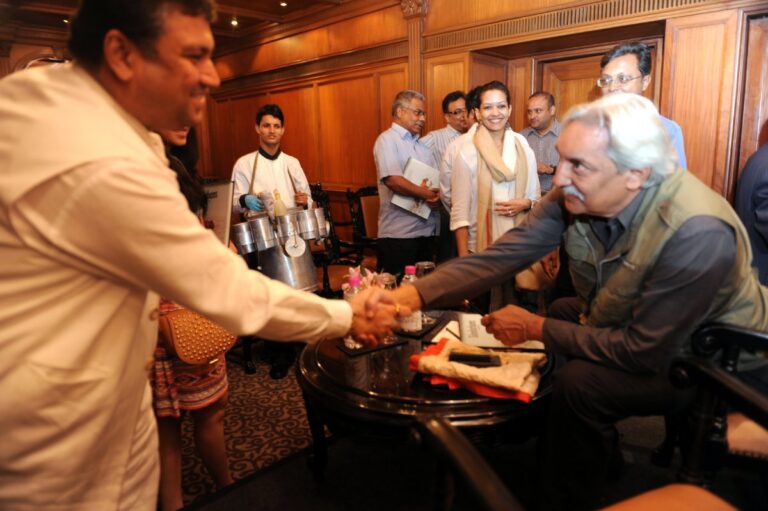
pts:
pixel 92 228
pixel 269 170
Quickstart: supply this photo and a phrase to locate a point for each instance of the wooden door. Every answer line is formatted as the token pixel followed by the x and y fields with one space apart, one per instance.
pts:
pixel 573 80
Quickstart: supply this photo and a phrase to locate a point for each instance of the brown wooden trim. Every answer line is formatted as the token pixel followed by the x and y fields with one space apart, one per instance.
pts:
pixel 566 20
pixel 377 55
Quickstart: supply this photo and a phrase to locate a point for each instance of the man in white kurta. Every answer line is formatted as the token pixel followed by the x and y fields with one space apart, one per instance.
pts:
pixel 92 228
pixel 269 169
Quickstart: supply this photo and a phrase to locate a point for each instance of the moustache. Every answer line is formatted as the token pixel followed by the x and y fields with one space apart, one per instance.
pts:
pixel 571 190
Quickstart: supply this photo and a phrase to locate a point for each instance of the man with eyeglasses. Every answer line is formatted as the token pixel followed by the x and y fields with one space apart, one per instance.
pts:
pixel 627 68
pixel 404 237
pixel 455 113
pixel 542 135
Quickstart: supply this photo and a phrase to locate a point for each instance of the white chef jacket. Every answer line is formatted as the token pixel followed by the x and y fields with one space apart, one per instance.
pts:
pixel 283 174
pixel 92 228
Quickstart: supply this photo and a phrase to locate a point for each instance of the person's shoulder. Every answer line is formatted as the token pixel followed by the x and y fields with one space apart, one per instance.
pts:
pixel 671 125
pixel 526 131
pixel 245 158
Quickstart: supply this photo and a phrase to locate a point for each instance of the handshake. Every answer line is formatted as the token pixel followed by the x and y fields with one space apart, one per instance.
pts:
pixel 377 312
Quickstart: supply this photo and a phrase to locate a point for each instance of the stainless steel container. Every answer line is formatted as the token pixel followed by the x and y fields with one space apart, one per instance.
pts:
pixel 243 239
pixel 322 223
pixel 287 225
pixel 308 228
pixel 297 272
pixel 263 234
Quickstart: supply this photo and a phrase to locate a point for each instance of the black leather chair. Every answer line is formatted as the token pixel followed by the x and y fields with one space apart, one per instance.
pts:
pixel 725 425
pixel 719 391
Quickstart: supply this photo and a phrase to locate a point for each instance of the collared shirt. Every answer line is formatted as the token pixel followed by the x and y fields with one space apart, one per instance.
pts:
pixel 676 137
pixel 390 153
pixel 438 141
pixel 609 230
pixel 544 148
pixel 446 165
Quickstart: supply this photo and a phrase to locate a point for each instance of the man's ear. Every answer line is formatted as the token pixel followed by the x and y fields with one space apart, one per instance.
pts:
pixel 636 178
pixel 120 55
pixel 646 80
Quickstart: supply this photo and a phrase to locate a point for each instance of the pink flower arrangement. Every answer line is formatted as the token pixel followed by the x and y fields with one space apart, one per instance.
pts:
pixel 370 278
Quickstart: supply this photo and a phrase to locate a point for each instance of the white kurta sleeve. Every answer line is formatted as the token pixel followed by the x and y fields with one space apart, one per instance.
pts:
pixel 132 225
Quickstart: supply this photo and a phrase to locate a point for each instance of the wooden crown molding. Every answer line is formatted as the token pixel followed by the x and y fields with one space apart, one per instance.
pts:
pixel 241 85
pixel 563 20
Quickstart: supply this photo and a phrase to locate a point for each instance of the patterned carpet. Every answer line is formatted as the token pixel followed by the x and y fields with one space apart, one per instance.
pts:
pixel 264 423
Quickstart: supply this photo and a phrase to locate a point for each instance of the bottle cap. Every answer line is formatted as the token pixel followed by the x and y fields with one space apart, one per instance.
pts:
pixel 354 280
pixel 410 270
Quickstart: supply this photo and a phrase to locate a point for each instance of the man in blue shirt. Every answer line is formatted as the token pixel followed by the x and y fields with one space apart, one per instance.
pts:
pixel 404 237
pixel 627 68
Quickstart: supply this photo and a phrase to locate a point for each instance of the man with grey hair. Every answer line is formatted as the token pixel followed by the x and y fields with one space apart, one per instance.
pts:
pixel 404 237
pixel 635 227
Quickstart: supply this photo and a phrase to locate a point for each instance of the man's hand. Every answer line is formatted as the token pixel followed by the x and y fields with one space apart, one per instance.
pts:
pixel 513 325
pixel 375 314
pixel 301 199
pixel 434 200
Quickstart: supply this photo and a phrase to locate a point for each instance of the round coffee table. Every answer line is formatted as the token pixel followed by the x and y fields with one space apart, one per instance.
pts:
pixel 376 391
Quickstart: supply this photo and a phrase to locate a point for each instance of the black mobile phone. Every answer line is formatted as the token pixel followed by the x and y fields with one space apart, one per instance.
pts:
pixel 475 359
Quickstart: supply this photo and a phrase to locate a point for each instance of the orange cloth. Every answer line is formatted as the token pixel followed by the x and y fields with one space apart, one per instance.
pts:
pixel 445 346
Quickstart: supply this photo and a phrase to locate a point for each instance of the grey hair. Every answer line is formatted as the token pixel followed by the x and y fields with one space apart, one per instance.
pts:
pixel 403 98
pixel 636 136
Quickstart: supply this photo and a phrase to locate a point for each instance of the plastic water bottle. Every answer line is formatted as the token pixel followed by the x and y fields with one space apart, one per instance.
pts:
pixel 349 293
pixel 411 323
pixel 280 208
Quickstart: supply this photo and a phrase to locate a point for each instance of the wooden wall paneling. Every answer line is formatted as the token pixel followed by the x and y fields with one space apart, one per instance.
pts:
pixel 754 120
pixel 698 90
pixel 242 124
pixel 348 126
pixel 520 83
pixel 220 140
pixel 203 134
pixel 388 83
pixel 445 74
pixel 571 81
pixel 299 108
pixel 486 68
pixel 368 30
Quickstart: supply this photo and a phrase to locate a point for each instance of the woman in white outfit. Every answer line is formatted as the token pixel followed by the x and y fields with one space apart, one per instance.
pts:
pixel 494 181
